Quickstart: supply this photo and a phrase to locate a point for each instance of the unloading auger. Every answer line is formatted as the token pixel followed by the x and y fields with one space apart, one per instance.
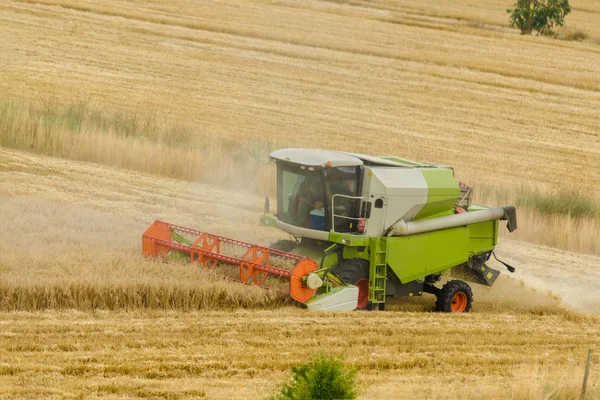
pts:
pixel 364 229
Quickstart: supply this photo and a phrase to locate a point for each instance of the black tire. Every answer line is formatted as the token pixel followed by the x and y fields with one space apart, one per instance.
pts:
pixel 455 296
pixel 283 245
pixel 354 272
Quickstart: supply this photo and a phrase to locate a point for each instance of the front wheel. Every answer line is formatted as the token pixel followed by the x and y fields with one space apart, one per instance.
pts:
pixel 356 272
pixel 455 296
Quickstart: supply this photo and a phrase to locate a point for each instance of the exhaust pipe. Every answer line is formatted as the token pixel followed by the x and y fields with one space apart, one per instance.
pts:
pixel 403 228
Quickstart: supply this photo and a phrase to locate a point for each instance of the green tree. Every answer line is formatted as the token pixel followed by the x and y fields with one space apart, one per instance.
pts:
pixel 538 15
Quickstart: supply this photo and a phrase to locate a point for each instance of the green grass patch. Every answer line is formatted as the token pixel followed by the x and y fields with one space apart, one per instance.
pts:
pixel 79 117
pixel 138 142
pixel 573 34
pixel 564 202
pixel 568 201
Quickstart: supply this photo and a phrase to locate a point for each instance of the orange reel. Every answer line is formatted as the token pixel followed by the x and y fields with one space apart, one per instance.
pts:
pixel 205 242
pixel 298 290
pixel 256 255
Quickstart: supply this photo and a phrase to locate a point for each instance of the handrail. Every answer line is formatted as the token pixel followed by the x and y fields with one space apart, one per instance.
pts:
pixel 333 214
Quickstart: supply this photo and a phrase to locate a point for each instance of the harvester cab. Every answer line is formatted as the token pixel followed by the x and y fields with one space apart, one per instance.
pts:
pixel 364 229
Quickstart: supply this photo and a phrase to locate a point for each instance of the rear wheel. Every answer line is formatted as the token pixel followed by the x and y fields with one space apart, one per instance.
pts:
pixel 455 296
pixel 356 272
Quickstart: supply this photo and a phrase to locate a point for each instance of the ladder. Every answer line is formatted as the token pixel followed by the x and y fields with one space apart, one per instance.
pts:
pixel 378 270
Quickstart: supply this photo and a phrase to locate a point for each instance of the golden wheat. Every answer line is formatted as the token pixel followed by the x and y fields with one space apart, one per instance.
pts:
pixel 145 146
pixel 572 233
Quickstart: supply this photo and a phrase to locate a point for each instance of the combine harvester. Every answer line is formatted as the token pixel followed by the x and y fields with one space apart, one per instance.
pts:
pixel 364 228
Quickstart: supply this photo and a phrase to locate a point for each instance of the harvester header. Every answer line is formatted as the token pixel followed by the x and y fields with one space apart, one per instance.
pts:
pixel 363 229
pixel 255 262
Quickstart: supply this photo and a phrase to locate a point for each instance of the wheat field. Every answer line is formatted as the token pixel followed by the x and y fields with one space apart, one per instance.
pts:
pixel 114 115
pixel 117 325
pixel 205 94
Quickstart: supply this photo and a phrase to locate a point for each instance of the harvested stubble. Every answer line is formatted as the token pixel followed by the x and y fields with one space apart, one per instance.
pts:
pixel 241 354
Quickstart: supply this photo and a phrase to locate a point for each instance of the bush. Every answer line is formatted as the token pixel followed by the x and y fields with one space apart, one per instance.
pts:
pixel 538 15
pixel 323 377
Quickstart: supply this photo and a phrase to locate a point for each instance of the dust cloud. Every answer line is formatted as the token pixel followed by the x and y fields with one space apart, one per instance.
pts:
pixel 572 277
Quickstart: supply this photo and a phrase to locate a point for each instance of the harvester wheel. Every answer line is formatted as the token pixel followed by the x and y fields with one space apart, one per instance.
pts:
pixel 283 245
pixel 455 296
pixel 356 272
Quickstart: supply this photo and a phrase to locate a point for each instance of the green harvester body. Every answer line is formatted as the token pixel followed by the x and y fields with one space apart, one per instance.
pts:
pixel 398 224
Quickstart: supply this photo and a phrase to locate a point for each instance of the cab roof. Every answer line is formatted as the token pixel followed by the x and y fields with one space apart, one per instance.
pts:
pixel 331 158
pixel 316 158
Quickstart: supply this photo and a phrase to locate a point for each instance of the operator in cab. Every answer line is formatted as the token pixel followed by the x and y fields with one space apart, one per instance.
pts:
pixel 306 200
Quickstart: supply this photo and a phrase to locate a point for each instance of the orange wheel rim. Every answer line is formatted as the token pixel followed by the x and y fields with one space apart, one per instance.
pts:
pixel 363 292
pixel 459 302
